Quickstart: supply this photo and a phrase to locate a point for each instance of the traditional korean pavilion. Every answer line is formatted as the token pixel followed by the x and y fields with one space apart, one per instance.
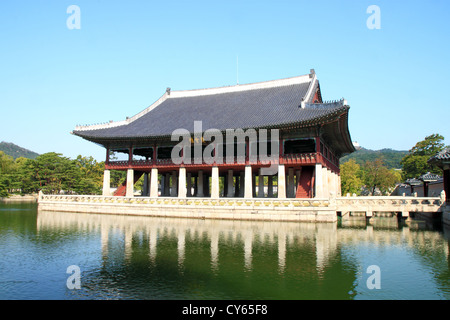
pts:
pixel 312 136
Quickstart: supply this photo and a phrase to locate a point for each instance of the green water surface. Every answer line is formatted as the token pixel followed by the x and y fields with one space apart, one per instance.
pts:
pixel 124 257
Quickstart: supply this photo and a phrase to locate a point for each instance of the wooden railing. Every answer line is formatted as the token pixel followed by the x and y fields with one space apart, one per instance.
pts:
pixel 289 159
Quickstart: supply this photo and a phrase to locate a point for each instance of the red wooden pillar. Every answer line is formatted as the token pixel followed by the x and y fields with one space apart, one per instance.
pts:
pixel 318 144
pixel 281 151
pixel 154 154
pixel 107 156
pixel 130 156
pixel 247 150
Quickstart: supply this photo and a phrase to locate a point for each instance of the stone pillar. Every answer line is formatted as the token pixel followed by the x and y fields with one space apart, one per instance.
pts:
pixel 230 191
pixel 330 182
pixel 182 190
pixel 281 182
pixel 260 185
pixel 154 183
pixel 130 183
pixel 290 184
pixel 318 182
pixel 253 184
pixel 248 189
pixel 270 186
pixel 200 181
pixel 106 183
pixel 334 182
pixel 215 183
pixel 339 190
pixel 189 185
pixel 326 191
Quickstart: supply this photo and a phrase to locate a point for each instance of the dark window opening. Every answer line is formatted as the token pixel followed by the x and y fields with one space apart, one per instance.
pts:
pixel 300 146
pixel 142 153
pixel 164 152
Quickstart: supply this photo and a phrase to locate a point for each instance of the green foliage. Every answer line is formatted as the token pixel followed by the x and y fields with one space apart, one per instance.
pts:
pixel 415 163
pixel 377 175
pixel 428 147
pixel 118 177
pixel 351 181
pixel 6 163
pixel 371 176
pixel 16 152
pixel 52 173
pixel 390 157
pixel 7 168
pixel 91 175
pixel 3 192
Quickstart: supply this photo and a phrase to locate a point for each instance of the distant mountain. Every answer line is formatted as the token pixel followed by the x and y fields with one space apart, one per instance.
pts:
pixel 16 151
pixel 390 157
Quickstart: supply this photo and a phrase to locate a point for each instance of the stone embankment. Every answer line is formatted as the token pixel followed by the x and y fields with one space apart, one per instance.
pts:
pixel 20 198
pixel 269 209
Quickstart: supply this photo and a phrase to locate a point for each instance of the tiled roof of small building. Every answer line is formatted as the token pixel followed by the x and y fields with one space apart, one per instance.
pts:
pixel 444 155
pixel 429 177
pixel 413 182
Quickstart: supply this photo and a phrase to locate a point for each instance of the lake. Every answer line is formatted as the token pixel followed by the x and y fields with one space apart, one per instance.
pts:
pixel 66 256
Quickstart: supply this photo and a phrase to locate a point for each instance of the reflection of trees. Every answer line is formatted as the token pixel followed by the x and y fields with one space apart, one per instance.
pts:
pixel 18 217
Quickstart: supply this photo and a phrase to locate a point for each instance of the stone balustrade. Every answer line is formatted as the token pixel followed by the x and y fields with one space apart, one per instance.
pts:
pixel 290 209
pixel 273 209
pixel 389 204
pixel 192 202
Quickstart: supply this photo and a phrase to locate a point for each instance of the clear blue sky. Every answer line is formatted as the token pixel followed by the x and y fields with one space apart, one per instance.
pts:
pixel 396 78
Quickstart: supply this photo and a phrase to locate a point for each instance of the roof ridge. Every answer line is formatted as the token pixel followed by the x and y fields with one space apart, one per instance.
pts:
pixel 169 94
pixel 241 87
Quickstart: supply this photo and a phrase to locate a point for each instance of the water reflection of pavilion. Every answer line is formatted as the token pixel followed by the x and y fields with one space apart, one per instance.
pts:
pixel 280 234
pixel 323 239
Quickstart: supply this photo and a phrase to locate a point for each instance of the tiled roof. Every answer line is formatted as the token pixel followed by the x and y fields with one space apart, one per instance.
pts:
pixel 413 181
pixel 444 155
pixel 429 177
pixel 261 105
